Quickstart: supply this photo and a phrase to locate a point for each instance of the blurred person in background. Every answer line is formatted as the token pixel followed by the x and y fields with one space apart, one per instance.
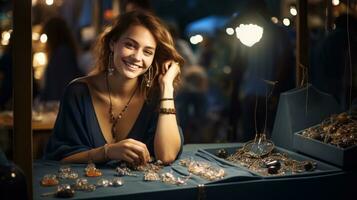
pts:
pixel 181 45
pixel 6 81
pixel 62 59
pixel 331 61
pixel 192 104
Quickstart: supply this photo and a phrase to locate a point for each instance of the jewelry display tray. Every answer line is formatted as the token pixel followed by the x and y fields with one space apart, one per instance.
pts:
pixel 321 168
pixel 341 157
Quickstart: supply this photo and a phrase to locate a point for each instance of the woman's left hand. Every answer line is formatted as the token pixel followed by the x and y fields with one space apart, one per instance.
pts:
pixel 169 72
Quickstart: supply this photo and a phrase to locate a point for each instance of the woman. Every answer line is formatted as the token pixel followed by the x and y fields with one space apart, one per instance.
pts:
pixel 125 109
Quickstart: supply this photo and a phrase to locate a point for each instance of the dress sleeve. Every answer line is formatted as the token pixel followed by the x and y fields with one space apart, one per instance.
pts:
pixel 70 134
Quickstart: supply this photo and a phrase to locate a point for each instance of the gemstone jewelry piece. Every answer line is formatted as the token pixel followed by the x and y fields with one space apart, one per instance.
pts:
pixel 103 182
pixel 222 153
pixel 338 130
pixel 169 177
pixel 49 180
pixel 116 182
pixel 81 184
pixel 65 172
pixel 151 176
pixel 203 169
pixel 273 164
pixel 92 171
pixel 124 171
pixel 65 191
pixel 64 169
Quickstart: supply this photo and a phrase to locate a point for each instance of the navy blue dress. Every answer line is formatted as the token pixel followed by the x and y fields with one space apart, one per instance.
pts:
pixel 77 128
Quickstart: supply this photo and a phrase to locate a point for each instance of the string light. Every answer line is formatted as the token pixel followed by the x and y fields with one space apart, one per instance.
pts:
pixel 335 2
pixel 286 22
pixel 196 39
pixel 249 34
pixel 293 11
pixel 230 31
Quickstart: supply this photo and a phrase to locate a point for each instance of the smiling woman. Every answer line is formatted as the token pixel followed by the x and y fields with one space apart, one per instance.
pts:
pixel 124 110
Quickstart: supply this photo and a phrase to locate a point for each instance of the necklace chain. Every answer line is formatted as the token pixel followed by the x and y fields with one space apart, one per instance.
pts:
pixel 115 118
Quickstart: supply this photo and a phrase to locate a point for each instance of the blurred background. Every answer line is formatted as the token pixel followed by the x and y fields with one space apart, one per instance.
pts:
pixel 237 53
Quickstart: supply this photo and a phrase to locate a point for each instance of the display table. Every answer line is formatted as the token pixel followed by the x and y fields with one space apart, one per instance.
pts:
pixel 237 184
pixel 42 125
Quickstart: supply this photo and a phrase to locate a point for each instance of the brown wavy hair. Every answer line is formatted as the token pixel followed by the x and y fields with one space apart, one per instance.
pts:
pixel 165 49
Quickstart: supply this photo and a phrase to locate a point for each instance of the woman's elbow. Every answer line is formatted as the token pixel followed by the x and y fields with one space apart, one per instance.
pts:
pixel 167 159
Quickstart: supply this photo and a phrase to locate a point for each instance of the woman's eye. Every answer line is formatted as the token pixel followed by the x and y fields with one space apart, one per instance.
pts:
pixel 148 53
pixel 129 45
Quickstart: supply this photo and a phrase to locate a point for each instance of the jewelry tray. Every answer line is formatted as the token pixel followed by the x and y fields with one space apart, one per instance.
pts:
pixel 321 167
pixel 341 157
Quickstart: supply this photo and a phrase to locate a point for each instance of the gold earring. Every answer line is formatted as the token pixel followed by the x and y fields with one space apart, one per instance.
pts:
pixel 110 65
pixel 148 77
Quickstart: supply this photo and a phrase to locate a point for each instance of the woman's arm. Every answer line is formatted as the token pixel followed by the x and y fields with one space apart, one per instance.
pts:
pixel 167 141
pixel 129 150
pixel 96 155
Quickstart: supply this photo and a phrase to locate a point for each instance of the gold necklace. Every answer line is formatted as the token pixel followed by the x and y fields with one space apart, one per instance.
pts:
pixel 115 118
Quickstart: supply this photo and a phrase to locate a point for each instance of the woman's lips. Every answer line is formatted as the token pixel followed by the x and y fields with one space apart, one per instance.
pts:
pixel 132 66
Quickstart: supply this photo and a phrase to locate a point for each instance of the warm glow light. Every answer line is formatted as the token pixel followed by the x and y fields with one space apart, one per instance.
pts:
pixel 335 2
pixel 39 63
pixel 49 2
pixel 34 2
pixel 249 34
pixel 39 59
pixel 274 20
pixel 196 39
pixel 286 22
pixel 35 36
pixel 293 11
pixel 13 175
pixel 230 31
pixel 5 37
pixel 43 38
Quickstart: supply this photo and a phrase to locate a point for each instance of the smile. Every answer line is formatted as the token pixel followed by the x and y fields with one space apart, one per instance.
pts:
pixel 132 66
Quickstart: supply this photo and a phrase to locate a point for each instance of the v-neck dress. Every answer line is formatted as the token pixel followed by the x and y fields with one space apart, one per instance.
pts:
pixel 77 128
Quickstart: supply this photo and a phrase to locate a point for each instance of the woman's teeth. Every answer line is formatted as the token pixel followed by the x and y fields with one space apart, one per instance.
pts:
pixel 133 66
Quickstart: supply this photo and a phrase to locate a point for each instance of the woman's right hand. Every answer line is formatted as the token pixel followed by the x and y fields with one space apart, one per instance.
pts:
pixel 129 150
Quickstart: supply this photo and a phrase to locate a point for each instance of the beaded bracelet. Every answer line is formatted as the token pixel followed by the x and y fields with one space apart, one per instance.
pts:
pixel 167 111
pixel 166 99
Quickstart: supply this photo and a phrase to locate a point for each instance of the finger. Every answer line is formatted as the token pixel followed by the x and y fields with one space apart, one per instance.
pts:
pixel 126 158
pixel 131 155
pixel 140 149
pixel 146 156
pixel 141 152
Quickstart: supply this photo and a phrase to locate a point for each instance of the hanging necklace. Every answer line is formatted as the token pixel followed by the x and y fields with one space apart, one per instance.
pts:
pixel 115 118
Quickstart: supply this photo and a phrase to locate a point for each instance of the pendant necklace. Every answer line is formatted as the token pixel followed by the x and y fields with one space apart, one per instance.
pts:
pixel 113 117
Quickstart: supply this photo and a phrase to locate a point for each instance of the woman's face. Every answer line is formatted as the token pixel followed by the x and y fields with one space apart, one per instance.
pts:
pixel 134 51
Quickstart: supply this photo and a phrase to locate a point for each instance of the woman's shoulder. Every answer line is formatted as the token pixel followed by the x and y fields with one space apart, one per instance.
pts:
pixel 87 84
pixel 77 87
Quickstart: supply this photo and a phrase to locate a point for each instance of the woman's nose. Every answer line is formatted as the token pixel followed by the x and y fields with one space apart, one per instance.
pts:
pixel 137 55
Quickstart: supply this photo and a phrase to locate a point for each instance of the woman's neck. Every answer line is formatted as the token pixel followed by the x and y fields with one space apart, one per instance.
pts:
pixel 121 86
